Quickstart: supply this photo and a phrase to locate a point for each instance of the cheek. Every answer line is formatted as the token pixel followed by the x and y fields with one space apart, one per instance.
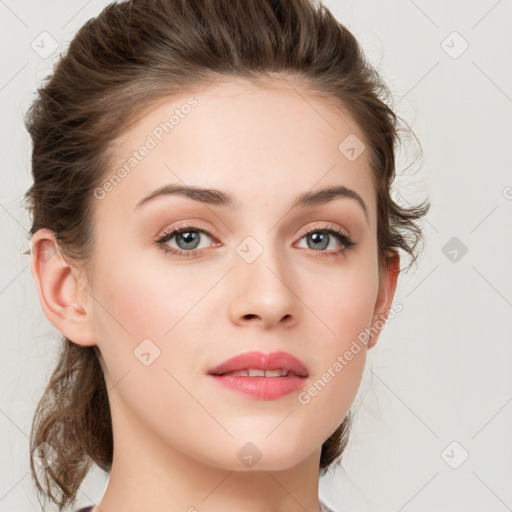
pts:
pixel 143 321
pixel 345 303
pixel 143 301
pixel 163 304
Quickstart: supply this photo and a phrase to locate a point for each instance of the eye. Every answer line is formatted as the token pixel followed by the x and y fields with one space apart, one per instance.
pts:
pixel 188 241
pixel 187 238
pixel 319 239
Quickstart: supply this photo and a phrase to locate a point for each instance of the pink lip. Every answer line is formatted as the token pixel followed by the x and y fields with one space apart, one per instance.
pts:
pixel 263 388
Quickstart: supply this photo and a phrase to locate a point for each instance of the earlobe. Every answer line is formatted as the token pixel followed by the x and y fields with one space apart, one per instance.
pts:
pixel 58 290
pixel 387 288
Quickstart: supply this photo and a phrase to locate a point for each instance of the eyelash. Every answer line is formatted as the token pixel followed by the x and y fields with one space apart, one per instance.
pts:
pixel 345 239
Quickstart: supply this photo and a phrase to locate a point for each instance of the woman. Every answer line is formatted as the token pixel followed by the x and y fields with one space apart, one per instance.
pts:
pixel 215 238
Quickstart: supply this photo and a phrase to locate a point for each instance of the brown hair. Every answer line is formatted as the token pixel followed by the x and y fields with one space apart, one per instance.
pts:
pixel 126 59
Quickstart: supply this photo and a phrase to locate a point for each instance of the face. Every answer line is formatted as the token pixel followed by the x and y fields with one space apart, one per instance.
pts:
pixel 257 273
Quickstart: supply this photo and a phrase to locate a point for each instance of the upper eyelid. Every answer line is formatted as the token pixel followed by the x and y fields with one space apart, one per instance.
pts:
pixel 180 229
pixel 326 227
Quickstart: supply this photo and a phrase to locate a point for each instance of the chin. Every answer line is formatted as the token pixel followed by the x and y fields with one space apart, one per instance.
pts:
pixel 263 455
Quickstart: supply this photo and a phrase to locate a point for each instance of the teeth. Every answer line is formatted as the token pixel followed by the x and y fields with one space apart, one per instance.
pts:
pixel 274 373
pixel 258 372
pixel 243 373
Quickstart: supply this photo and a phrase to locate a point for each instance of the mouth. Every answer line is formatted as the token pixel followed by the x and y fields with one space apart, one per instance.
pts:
pixel 258 364
pixel 262 376
pixel 258 372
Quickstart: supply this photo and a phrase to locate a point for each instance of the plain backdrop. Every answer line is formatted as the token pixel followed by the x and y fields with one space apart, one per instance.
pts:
pixel 433 426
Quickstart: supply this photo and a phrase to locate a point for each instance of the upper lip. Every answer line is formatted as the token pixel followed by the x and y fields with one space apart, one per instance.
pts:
pixel 260 360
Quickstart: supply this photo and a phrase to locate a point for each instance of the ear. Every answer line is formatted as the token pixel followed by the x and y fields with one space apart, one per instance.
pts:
pixel 65 302
pixel 387 286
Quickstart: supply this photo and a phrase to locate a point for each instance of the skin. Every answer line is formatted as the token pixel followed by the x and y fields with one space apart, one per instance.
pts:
pixel 177 433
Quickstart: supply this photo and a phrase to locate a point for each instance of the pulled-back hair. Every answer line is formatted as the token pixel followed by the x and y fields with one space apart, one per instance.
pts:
pixel 120 63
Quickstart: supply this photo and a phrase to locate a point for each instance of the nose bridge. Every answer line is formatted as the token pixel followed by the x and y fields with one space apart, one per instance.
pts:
pixel 263 257
pixel 262 280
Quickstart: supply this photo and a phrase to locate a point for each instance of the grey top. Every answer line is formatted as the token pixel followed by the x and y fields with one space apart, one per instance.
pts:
pixel 324 507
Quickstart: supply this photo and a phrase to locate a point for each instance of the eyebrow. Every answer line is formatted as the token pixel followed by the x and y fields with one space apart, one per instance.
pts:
pixel 216 197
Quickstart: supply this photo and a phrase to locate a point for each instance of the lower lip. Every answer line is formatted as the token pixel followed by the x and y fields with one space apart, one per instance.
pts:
pixel 262 388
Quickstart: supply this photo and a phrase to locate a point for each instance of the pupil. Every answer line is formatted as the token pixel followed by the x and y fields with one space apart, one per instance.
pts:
pixel 318 237
pixel 188 237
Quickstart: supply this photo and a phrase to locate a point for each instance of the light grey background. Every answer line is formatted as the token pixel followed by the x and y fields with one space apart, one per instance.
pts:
pixel 438 385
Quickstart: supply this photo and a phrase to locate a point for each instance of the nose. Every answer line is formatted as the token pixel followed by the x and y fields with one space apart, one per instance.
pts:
pixel 263 292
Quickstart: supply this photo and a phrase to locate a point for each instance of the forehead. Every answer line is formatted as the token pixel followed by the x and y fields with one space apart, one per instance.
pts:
pixel 249 139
